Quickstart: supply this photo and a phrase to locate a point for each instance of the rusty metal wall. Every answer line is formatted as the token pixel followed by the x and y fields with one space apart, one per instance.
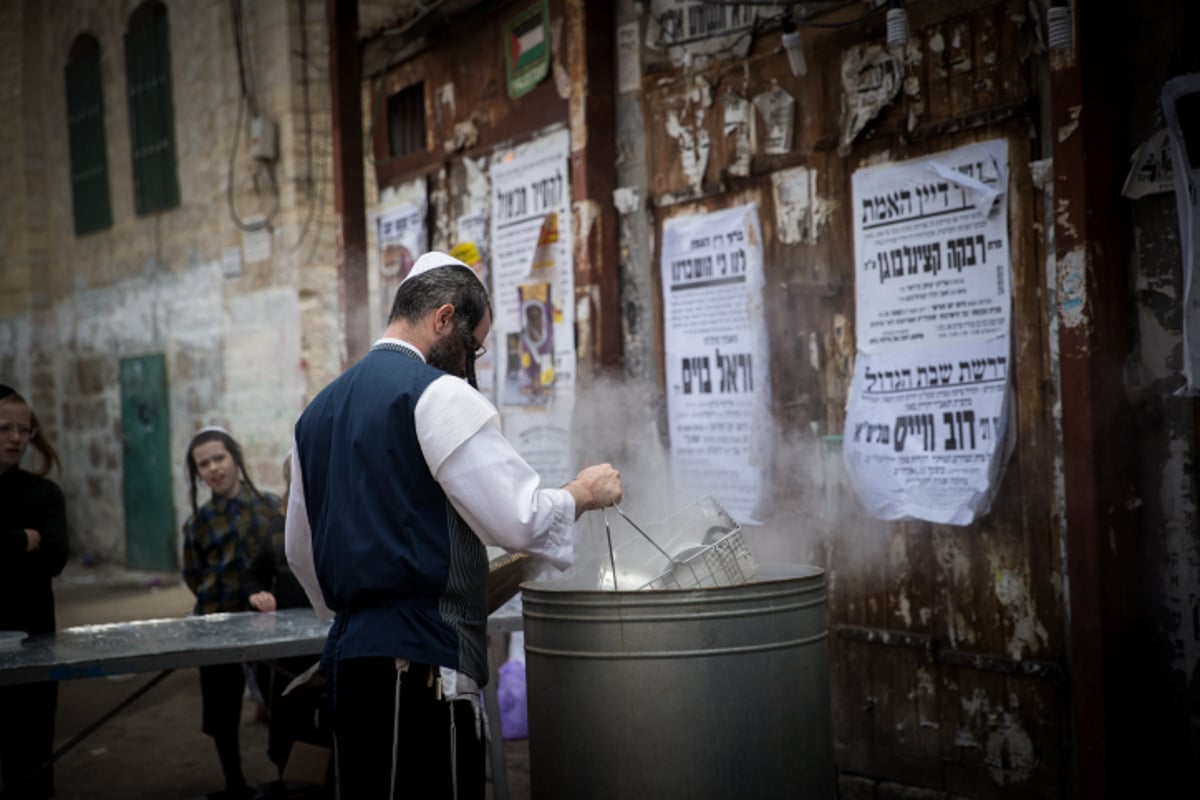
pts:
pixel 467 108
pixel 947 643
pixel 1167 491
pixel 469 115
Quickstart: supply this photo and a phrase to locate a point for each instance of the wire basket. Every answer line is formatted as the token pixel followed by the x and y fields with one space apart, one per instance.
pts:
pixel 725 562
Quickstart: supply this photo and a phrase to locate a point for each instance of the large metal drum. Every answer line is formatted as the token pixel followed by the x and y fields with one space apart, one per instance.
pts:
pixel 689 694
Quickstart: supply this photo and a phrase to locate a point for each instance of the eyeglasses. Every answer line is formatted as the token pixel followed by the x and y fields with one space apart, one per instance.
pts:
pixel 473 347
pixel 22 431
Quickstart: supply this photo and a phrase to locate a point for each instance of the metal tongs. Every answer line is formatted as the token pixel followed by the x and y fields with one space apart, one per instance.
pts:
pixel 674 562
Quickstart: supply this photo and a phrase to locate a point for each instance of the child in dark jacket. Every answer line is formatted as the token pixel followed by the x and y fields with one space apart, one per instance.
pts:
pixel 33 549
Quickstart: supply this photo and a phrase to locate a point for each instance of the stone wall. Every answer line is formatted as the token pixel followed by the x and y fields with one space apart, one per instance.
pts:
pixel 247 321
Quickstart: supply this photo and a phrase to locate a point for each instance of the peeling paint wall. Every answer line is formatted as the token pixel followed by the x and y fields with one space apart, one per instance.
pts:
pixel 947 644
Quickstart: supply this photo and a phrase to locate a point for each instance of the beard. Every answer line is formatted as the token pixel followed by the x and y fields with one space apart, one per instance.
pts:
pixel 449 354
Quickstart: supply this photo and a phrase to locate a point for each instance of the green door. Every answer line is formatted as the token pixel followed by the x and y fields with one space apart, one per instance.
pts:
pixel 150 534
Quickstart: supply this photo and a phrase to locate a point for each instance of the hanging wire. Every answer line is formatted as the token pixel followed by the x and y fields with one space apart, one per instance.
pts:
pixel 245 78
pixel 248 99
pixel 309 178
pixel 249 227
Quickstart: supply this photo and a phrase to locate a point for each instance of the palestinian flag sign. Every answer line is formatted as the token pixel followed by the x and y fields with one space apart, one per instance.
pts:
pixel 528 52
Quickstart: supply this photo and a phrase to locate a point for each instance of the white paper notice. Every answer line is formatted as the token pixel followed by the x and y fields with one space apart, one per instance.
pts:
pixel 716 355
pixel 927 431
pixel 531 203
pixel 256 240
pixel 931 249
pixel 778 109
pixel 529 184
pixel 927 434
pixel 231 261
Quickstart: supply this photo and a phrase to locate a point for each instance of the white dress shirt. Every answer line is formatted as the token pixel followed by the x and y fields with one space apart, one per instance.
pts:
pixel 489 484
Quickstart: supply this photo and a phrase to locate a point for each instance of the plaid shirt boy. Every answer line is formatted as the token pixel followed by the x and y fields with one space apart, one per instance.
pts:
pixel 219 542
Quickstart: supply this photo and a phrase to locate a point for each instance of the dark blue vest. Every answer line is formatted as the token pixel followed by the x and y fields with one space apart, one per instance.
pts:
pixel 405 575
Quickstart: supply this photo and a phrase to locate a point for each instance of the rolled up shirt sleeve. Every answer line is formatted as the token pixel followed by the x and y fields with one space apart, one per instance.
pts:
pixel 487 481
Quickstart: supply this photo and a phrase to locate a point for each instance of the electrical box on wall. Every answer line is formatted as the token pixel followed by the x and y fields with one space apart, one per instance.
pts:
pixel 262 139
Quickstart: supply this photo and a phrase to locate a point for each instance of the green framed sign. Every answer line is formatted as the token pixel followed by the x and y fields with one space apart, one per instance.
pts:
pixel 527 48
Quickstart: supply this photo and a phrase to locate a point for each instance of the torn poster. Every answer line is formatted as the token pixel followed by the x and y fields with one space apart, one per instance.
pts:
pixel 1150 168
pixel 799 213
pixel 1181 106
pixel 693 30
pixel 871 79
pixel 718 395
pixel 739 123
pixel 778 109
pixel 931 249
pixel 927 432
pixel 472 229
pixel 401 240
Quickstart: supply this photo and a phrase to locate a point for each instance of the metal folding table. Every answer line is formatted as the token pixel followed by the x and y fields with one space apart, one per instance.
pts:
pixel 164 645
pixel 153 645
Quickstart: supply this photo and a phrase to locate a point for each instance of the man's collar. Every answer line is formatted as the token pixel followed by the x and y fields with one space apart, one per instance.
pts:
pixel 402 343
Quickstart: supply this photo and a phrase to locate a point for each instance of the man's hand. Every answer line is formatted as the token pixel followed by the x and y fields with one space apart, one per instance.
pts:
pixel 33 540
pixel 595 487
pixel 263 601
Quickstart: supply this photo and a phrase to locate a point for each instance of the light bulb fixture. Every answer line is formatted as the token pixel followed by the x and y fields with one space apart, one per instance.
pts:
pixel 791 44
pixel 897 25
pixel 1059 33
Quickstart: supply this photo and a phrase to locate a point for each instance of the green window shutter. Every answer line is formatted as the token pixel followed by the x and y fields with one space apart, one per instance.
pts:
pixel 89 158
pixel 151 115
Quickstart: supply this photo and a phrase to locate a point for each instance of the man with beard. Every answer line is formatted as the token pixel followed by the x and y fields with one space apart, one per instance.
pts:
pixel 401 477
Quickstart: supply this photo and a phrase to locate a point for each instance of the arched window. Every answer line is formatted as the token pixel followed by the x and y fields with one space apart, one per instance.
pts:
pixel 151 109
pixel 85 132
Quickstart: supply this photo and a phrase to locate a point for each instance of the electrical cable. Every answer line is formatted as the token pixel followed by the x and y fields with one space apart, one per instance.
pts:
pixel 245 74
pixel 247 99
pixel 248 227
pixel 301 8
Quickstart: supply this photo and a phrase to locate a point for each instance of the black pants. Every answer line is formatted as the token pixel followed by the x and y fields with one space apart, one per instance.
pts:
pixel 293 718
pixel 221 689
pixel 372 741
pixel 27 739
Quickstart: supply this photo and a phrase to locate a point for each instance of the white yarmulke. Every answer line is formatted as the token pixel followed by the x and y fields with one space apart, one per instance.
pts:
pixel 214 429
pixel 435 260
